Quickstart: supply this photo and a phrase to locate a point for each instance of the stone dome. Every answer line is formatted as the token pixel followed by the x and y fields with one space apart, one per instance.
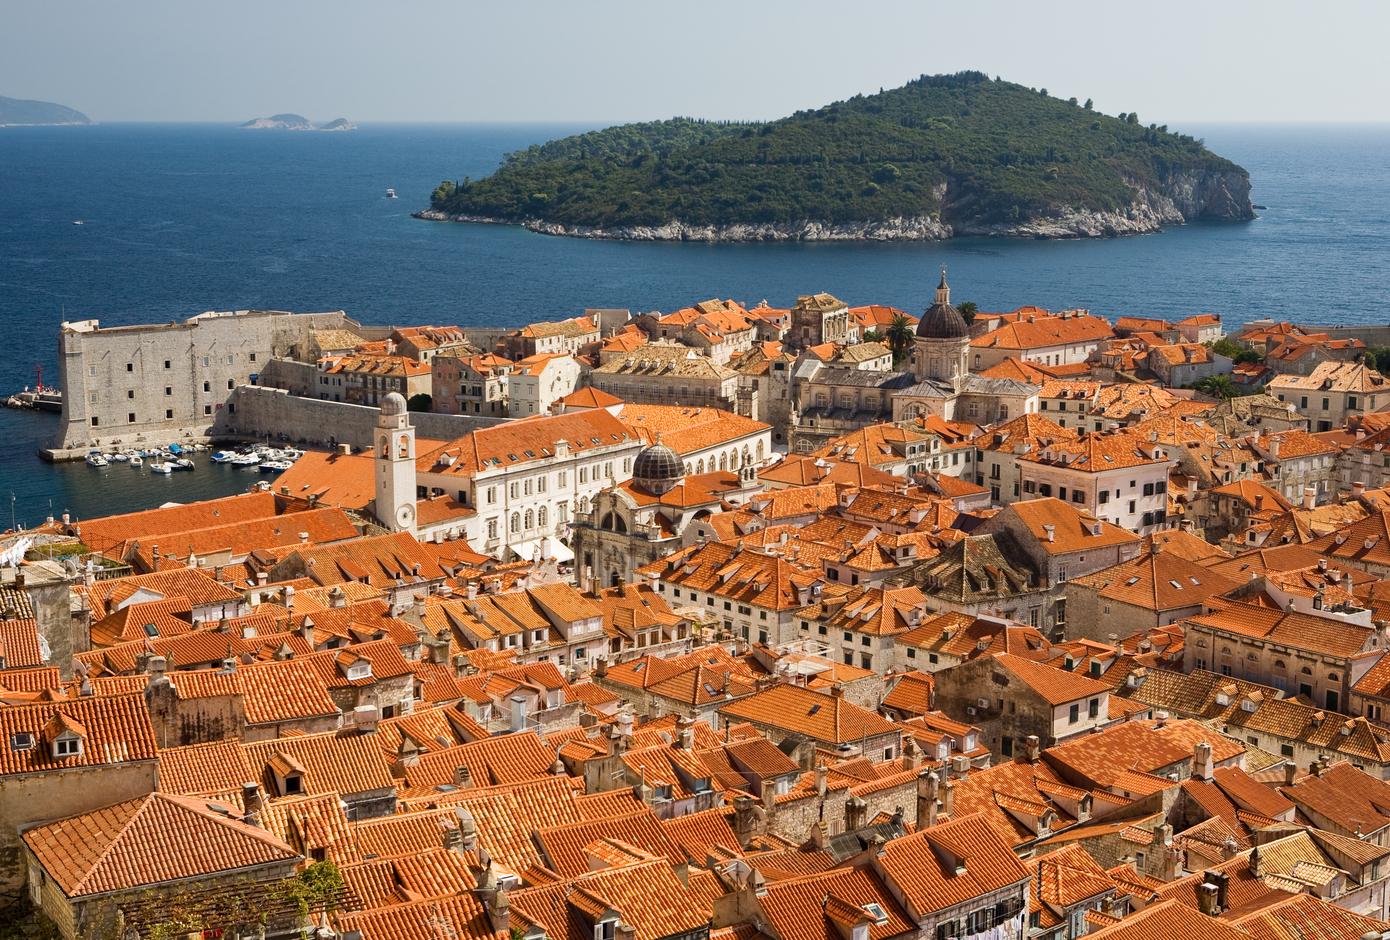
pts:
pixel 657 468
pixel 393 404
pixel 942 320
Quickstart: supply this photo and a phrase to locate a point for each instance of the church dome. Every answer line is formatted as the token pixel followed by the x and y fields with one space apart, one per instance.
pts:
pixel 393 404
pixel 657 469
pixel 942 320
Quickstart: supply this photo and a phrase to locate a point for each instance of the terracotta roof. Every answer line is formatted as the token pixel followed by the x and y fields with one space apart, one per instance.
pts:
pixel 1167 920
pixel 649 896
pixel 115 729
pixel 950 863
pixel 19 646
pixel 194 586
pixel 1158 581
pixel 1044 332
pixel 108 531
pixel 1056 686
pixel 332 763
pixel 687 430
pixel 507 444
pixel 589 397
pixel 150 840
pixel 827 718
pixel 1060 527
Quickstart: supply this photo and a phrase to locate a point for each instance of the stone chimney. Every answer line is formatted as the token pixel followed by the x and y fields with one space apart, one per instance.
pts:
pixel 499 912
pixel 467 829
pixel 1033 748
pixel 1310 497
pixel 251 803
pixel 948 799
pixel 685 733
pixel 463 778
pixel 365 718
pixel 1201 761
pixel 856 814
pixel 928 788
pixel 1206 899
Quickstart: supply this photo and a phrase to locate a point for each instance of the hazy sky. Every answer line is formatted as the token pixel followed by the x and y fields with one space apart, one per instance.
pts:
pixel 590 60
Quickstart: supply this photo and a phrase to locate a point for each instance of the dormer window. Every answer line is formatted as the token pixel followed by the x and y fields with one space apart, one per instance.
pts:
pixel 294 784
pixel 67 745
pixel 360 670
pixel 65 736
pixel 606 929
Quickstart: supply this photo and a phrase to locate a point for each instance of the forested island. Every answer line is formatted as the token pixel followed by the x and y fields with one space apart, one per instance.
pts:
pixel 944 155
pixel 21 111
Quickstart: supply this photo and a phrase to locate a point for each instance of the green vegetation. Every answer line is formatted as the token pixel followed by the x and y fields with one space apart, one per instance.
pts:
pixel 965 148
pixel 1217 386
pixel 1378 358
pixel 420 402
pixel 899 336
pixel 1225 346
pixel 967 309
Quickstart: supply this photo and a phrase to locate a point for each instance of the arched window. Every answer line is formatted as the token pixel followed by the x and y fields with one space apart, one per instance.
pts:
pixel 385 448
pixel 541 517
pixel 700 467
pixel 1333 677
pixel 516 522
pixel 1279 664
pixel 530 520
pixel 760 451
pixel 723 461
pixel 1306 671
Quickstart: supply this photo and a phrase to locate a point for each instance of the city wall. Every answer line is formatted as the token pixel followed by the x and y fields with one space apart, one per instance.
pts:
pixel 258 413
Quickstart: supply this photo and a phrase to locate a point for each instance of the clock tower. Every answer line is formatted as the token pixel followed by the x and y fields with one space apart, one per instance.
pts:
pixel 395 466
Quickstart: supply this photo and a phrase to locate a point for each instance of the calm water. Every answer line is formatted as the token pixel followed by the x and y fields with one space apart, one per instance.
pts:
pixel 185 218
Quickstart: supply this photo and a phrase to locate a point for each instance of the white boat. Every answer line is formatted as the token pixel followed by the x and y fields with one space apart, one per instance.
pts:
pixel 274 466
pixel 137 461
pixel 246 460
pixel 390 193
pixel 77 222
pixel 183 463
pixel 119 457
pixel 161 466
pixel 96 458
pixel 222 456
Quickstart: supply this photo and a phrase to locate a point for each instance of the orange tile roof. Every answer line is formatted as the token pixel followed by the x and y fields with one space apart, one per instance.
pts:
pixel 687 430
pixel 1158 581
pixel 332 763
pixel 191 584
pixel 345 480
pixel 1097 452
pixel 1056 686
pixel 116 729
pixel 104 533
pixel 1061 527
pixel 950 863
pixel 151 840
pixel 747 575
pixel 507 444
pixel 827 718
pixel 1043 332
pixel 1167 920
pixel 649 896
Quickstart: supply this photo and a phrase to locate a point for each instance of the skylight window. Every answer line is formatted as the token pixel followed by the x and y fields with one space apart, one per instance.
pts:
pixel 1131 582
pixel 1177 585
pixel 151 630
pixel 22 741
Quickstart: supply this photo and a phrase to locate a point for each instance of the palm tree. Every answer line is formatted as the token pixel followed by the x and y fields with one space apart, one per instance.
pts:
pixel 1218 386
pixel 899 336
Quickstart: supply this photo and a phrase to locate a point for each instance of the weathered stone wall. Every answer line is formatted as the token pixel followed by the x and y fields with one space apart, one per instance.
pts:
pixel 259 413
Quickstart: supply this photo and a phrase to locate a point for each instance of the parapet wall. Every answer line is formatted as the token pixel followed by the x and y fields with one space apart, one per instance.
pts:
pixel 259 413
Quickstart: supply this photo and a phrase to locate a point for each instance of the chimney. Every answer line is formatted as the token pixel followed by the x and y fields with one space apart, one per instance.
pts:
pixel 1201 761
pixel 1033 748
pixel 251 803
pixel 467 829
pixel 463 778
pixel 685 733
pixel 1310 497
pixel 928 787
pixel 856 814
pixel 948 800
pixel 365 718
pixel 745 819
pixel 822 781
pixel 499 912
pixel 1206 899
pixel 1050 531
pixel 453 839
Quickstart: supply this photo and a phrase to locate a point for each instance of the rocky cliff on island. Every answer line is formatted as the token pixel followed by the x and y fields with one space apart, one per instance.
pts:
pixel 942 156
pixel 296 122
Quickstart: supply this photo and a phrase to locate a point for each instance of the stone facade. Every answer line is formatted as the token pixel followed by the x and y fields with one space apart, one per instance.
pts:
pixel 165 382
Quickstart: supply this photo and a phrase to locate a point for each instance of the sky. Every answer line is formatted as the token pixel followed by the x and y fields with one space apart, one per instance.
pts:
pixel 597 61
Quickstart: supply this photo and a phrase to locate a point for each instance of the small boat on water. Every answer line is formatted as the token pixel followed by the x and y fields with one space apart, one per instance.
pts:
pixel 246 460
pixel 161 466
pixel 78 222
pixel 119 457
pixel 183 463
pixel 275 466
pixel 137 461
pixel 96 458
pixel 390 193
pixel 222 456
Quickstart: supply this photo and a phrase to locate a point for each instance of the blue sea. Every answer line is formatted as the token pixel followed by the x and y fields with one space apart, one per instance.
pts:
pixel 179 219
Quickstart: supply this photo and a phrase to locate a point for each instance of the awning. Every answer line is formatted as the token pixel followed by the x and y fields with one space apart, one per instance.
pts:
pixel 541 549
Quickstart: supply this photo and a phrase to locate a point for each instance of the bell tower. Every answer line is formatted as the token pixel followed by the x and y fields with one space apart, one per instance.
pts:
pixel 395 466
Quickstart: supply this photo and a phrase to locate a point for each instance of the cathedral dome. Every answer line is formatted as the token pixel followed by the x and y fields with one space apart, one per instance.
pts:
pixel 942 320
pixel 657 469
pixel 393 404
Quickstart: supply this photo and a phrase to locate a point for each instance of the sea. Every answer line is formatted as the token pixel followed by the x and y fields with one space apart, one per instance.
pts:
pixel 178 219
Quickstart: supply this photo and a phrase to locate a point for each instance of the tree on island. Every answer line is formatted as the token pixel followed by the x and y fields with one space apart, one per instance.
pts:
pixel 420 402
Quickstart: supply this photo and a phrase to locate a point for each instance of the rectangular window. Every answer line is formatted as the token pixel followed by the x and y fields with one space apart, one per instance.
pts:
pixel 131 417
pixel 1074 712
pixel 1093 708
pixel 168 413
pixel 130 367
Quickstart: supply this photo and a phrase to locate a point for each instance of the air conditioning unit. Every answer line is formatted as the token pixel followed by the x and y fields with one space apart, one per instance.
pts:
pixel 970 710
pixel 982 704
